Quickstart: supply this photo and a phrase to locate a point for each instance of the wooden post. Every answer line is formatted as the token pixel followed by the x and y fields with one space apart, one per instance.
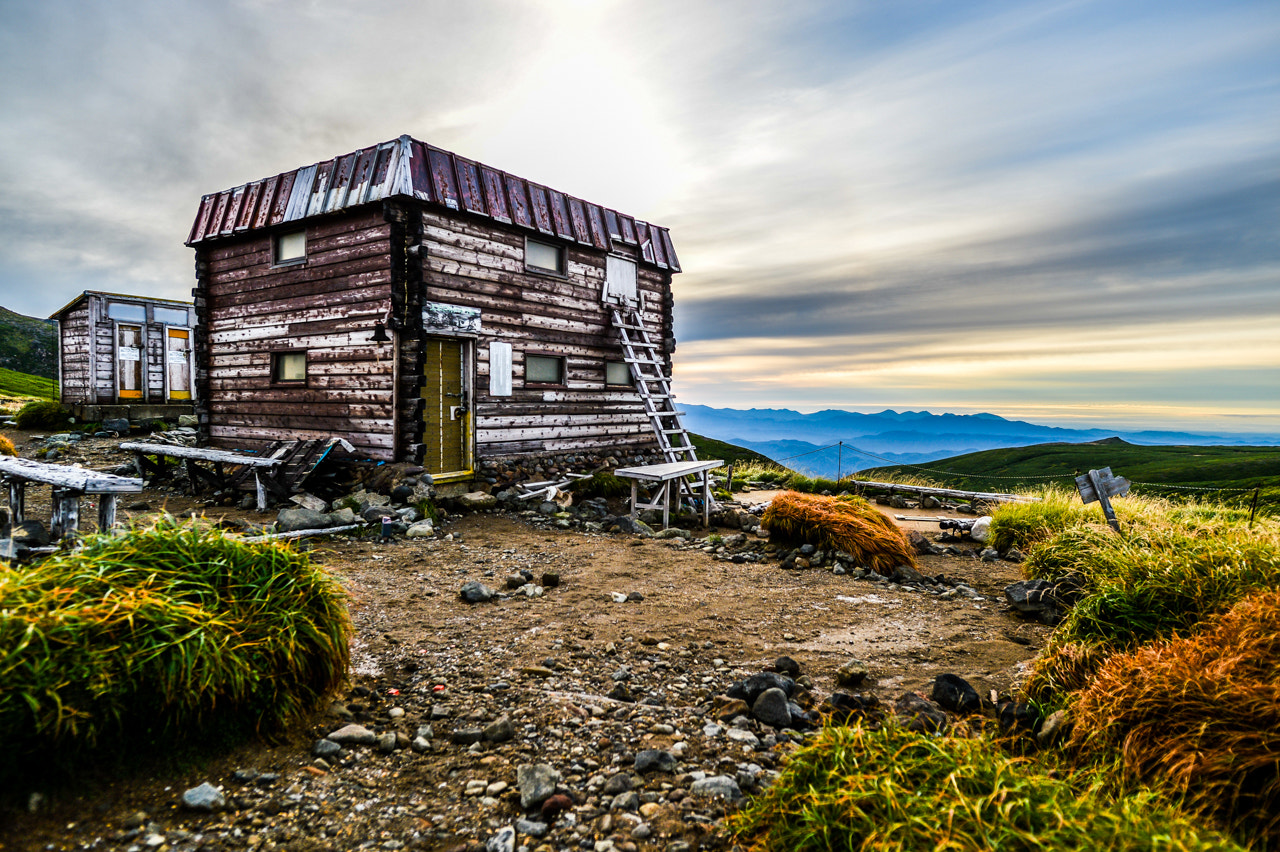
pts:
pixel 1100 485
pixel 17 501
pixel 1253 510
pixel 106 513
pixel 634 486
pixel 65 518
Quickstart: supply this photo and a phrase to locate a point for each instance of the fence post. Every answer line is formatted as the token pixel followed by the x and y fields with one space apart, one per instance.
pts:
pixel 1253 510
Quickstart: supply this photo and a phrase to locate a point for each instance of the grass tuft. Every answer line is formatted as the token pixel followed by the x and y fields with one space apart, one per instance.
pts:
pixel 1199 715
pixel 42 414
pixel 159 631
pixel 850 524
pixel 6 446
pixel 859 788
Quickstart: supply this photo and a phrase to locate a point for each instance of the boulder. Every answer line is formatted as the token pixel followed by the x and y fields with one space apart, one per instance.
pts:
pixel 919 714
pixel 476 501
pixel 954 693
pixel 771 708
pixel 301 518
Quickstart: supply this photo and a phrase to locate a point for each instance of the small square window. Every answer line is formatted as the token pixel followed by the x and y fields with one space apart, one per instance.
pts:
pixel 290 247
pixel 543 370
pixel 544 257
pixel 617 374
pixel 288 367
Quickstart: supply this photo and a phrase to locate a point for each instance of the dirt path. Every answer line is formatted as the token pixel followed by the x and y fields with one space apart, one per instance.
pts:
pixel 422 657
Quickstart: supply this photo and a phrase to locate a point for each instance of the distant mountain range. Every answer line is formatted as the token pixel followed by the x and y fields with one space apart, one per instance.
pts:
pixel 803 441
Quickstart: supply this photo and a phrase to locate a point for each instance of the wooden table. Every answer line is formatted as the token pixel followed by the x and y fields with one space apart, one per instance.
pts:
pixel 68 483
pixel 217 477
pixel 668 475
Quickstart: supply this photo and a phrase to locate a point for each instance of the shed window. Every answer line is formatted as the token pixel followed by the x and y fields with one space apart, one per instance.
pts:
pixel 617 374
pixel 288 367
pixel 290 247
pixel 543 369
pixel 544 257
pixel 171 316
pixel 128 311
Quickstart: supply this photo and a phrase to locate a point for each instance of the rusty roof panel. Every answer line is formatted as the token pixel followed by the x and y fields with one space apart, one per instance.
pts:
pixel 469 186
pixel 672 260
pixel 408 167
pixel 578 219
pixel 443 181
pixel 541 210
pixel 599 236
pixel 495 198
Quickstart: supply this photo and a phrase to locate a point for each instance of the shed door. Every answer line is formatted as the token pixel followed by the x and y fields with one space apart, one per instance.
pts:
pixel 446 416
pixel 129 362
pixel 178 366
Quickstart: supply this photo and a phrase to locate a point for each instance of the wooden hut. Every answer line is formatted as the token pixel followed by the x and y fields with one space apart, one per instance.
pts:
pixel 125 356
pixel 429 308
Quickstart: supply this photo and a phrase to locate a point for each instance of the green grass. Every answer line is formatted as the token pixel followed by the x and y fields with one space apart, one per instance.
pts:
pixel 13 383
pixel 43 414
pixel 159 634
pixel 709 448
pixel 863 789
pixel 1237 469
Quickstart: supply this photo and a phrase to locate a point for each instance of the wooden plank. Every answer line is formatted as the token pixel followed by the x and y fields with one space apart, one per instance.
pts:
pixel 199 454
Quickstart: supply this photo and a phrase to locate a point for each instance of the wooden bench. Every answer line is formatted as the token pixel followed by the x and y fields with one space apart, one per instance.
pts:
pixel 667 475
pixel 217 476
pixel 68 483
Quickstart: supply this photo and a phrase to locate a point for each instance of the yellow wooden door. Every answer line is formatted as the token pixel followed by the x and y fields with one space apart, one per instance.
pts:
pixel 178 355
pixel 129 354
pixel 446 418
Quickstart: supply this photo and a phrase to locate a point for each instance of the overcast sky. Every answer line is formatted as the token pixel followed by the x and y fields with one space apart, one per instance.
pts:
pixel 1067 212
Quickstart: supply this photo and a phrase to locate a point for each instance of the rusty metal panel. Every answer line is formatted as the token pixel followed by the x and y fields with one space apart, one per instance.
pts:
pixel 521 210
pixel 360 177
pixel 560 214
pixel 281 203
pixel 659 250
pixel 419 174
pixel 469 186
pixel 671 251
pixel 599 236
pixel 611 222
pixel 233 210
pixel 219 213
pixel 541 212
pixel 252 195
pixel 300 197
pixel 382 173
pixel 202 219
pixel 578 219
pixel 628 229
pixel 340 186
pixel 320 189
pixel 264 204
pixel 646 243
pixel 495 198
pixel 443 181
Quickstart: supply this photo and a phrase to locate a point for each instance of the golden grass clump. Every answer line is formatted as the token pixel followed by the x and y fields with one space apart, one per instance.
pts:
pixel 1199 715
pixel 164 631
pixel 6 446
pixel 850 524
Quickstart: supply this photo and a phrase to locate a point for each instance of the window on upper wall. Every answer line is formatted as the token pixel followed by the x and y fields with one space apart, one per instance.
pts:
pixel 544 257
pixel 289 248
pixel 543 370
pixel 127 311
pixel 288 367
pixel 617 374
pixel 170 316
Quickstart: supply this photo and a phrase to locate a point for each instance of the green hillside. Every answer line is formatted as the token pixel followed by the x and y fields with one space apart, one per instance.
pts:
pixel 28 345
pixel 709 448
pixel 13 383
pixel 1220 473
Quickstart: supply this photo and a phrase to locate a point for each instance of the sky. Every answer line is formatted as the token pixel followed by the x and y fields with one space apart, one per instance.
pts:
pixel 1063 212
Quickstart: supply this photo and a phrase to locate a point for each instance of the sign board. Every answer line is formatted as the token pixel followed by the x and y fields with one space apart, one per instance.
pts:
pixel 439 318
pixel 1101 486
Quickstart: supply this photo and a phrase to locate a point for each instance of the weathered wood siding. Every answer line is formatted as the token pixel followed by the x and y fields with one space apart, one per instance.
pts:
pixel 475 264
pixel 73 342
pixel 327 306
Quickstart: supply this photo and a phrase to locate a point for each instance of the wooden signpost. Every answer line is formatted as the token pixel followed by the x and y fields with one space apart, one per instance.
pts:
pixel 1100 485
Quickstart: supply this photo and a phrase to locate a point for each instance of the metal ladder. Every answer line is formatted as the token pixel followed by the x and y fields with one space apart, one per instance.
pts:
pixel 653 385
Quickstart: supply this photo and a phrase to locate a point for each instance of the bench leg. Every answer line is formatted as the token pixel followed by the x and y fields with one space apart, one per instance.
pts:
pixel 634 493
pixel 17 501
pixel 666 504
pixel 65 518
pixel 107 513
pixel 706 498
pixel 261 491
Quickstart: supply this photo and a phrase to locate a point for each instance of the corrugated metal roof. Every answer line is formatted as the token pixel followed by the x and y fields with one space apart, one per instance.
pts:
pixel 407 167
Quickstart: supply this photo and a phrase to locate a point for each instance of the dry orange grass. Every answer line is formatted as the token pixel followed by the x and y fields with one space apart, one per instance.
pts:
pixel 1201 715
pixel 850 524
pixel 6 447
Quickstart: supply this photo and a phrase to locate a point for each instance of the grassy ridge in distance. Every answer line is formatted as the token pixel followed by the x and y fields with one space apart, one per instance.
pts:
pixel 13 383
pixel 709 448
pixel 1208 468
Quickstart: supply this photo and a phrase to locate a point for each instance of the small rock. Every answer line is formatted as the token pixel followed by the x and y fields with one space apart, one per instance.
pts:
pixel 503 841
pixel 500 730
pixel 717 786
pixel 655 760
pixel 536 782
pixel 771 708
pixel 954 693
pixel 476 592
pixel 206 798
pixel 1055 728
pixel 353 735
pixel 851 674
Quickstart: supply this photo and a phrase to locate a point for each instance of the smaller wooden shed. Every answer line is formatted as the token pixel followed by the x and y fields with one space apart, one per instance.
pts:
pixel 118 350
